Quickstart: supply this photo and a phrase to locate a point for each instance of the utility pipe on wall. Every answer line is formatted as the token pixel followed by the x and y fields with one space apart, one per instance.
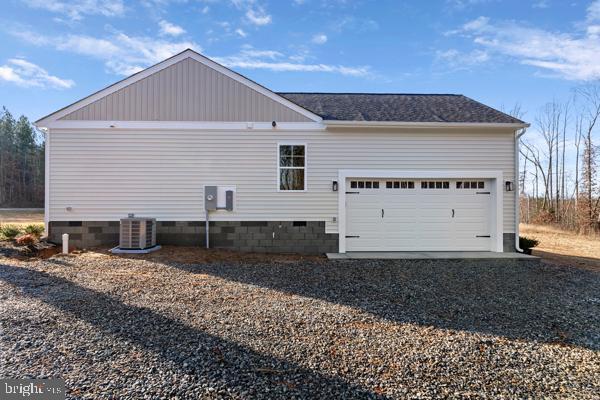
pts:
pixel 206 229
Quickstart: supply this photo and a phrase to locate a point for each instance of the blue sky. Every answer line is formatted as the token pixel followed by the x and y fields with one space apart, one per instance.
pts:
pixel 498 52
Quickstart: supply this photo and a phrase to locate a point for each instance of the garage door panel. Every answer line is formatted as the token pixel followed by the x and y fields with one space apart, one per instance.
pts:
pixel 467 223
pixel 446 218
pixel 405 235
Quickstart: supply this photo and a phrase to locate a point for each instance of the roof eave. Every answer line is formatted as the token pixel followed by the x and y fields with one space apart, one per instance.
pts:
pixel 400 124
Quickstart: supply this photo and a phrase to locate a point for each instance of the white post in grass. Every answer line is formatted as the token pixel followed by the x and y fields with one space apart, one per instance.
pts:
pixel 65 243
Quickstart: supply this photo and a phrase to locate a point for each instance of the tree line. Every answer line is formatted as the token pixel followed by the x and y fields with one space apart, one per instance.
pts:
pixel 559 163
pixel 21 162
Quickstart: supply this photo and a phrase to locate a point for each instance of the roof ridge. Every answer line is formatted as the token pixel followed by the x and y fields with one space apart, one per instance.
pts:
pixel 375 94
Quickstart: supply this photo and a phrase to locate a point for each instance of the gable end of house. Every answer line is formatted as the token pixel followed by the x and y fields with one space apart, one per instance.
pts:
pixel 186 87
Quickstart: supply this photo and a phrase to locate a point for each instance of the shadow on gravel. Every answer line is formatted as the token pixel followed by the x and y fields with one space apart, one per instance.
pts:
pixel 217 362
pixel 589 263
pixel 516 300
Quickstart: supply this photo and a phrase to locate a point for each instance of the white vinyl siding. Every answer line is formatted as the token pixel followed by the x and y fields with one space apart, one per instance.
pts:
pixel 186 91
pixel 106 174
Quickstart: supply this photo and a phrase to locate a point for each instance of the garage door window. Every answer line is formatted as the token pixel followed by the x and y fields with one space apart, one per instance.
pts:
pixel 364 184
pixel 470 185
pixel 292 167
pixel 400 184
pixel 435 185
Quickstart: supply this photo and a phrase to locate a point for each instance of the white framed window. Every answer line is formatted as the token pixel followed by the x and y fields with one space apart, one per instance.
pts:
pixel 291 167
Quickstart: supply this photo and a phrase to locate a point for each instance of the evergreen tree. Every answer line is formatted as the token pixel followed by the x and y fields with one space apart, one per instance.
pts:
pixel 21 163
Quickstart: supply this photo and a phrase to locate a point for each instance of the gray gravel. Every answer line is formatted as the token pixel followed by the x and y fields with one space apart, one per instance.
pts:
pixel 132 328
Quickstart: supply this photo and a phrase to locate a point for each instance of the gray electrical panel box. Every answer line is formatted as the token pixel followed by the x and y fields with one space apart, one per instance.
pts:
pixel 210 198
pixel 229 200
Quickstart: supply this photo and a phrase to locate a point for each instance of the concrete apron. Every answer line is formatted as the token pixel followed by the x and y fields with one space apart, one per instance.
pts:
pixel 429 255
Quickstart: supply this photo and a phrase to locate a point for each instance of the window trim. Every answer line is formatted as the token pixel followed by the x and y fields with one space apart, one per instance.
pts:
pixel 305 168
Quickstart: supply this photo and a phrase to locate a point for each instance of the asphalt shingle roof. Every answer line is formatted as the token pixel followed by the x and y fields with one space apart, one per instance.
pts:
pixel 398 107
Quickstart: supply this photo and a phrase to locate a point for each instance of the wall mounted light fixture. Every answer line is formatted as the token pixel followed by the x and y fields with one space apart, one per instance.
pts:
pixel 509 186
pixel 334 186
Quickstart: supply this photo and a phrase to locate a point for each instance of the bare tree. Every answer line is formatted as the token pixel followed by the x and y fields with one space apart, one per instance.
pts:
pixel 589 186
pixel 548 122
pixel 577 141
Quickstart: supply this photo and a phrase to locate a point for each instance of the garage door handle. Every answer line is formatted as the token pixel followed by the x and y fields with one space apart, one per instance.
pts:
pixel 453 213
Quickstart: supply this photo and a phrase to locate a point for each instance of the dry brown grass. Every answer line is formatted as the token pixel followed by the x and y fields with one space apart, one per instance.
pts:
pixel 21 217
pixel 563 247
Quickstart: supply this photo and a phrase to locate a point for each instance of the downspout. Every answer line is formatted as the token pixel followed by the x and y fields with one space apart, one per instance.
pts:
pixel 517 197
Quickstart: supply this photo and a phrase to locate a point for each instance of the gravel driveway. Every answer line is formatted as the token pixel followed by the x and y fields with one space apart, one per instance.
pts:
pixel 117 327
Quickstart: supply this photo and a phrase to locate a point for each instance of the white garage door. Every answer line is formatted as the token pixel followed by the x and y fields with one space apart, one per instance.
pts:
pixel 418 215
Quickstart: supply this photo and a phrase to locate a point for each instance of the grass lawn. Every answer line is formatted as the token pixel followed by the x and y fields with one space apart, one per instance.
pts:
pixel 559 246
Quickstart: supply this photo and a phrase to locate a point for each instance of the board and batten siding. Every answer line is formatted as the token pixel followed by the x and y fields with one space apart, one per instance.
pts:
pixel 105 175
pixel 186 91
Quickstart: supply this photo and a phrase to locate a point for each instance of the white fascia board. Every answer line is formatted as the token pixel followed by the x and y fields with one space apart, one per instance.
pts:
pixel 394 124
pixel 45 121
pixel 185 125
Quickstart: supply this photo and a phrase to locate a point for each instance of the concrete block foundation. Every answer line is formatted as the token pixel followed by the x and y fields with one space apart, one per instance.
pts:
pixel 303 237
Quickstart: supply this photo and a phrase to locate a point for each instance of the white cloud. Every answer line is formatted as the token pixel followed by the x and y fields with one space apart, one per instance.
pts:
pixel 254 12
pixel 125 55
pixel 572 56
pixel 77 9
pixel 27 74
pixel 241 32
pixel 272 60
pixel 461 4
pixel 593 11
pixel 476 24
pixel 258 17
pixel 462 60
pixel 594 31
pixel 167 28
pixel 122 54
pixel 351 23
pixel 541 4
pixel 319 39
pixel 205 10
pixel 250 52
